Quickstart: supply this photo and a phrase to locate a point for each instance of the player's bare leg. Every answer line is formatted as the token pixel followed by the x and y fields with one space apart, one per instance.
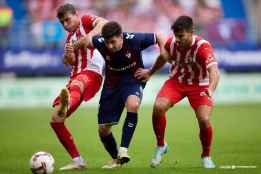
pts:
pixel 203 114
pixel 110 145
pixel 160 108
pixel 62 110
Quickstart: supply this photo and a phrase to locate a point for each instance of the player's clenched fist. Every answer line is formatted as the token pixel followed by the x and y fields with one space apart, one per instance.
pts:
pixel 69 57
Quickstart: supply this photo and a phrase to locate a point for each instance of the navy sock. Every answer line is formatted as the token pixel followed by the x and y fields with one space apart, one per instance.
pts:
pixel 110 145
pixel 128 128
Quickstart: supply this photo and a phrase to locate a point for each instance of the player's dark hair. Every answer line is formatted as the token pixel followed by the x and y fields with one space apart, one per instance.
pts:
pixel 64 9
pixel 182 23
pixel 111 29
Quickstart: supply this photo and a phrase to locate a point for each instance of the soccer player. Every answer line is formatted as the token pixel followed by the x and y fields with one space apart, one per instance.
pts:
pixel 85 79
pixel 122 53
pixel 194 75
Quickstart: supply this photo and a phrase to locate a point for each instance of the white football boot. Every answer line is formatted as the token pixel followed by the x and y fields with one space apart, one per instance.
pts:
pixel 208 163
pixel 159 152
pixel 123 156
pixel 77 164
pixel 112 164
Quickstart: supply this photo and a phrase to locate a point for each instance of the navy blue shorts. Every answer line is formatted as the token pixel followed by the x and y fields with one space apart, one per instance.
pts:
pixel 113 100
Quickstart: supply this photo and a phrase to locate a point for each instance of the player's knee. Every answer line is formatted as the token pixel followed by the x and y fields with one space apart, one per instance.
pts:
pixel 160 107
pixel 104 130
pixel 56 118
pixel 133 107
pixel 132 104
pixel 204 122
pixel 78 84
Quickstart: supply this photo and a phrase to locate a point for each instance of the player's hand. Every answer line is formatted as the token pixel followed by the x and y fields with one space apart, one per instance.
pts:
pixel 69 55
pixel 209 92
pixel 68 48
pixel 142 74
pixel 83 42
pixel 69 59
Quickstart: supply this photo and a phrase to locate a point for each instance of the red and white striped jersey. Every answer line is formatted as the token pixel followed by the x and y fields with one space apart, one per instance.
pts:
pixel 190 66
pixel 85 58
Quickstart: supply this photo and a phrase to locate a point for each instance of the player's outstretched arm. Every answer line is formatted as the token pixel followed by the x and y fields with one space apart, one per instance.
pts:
pixel 161 60
pixel 99 23
pixel 145 74
pixel 85 41
pixel 213 79
pixel 164 56
pixel 160 40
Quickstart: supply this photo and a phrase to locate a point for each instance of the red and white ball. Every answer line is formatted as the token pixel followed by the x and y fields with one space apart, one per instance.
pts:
pixel 42 163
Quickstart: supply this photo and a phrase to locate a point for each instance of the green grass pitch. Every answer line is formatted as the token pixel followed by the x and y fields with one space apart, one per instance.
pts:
pixel 237 140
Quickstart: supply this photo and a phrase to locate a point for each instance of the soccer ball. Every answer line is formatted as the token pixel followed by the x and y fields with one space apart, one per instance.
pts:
pixel 42 163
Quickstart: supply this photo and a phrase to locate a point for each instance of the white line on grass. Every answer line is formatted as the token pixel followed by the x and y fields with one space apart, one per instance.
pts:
pixel 236 167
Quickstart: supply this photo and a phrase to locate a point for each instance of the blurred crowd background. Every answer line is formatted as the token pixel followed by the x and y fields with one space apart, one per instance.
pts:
pixel 32 39
pixel 33 23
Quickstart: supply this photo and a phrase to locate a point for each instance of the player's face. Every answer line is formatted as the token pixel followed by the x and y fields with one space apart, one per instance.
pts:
pixel 183 38
pixel 114 43
pixel 70 22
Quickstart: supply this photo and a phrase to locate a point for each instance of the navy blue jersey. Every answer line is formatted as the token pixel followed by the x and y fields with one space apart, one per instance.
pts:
pixel 121 65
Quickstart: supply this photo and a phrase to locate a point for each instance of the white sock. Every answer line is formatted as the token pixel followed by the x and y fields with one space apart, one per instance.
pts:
pixel 124 149
pixel 78 160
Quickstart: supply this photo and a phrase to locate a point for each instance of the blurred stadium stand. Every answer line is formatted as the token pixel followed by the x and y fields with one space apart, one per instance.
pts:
pixel 32 39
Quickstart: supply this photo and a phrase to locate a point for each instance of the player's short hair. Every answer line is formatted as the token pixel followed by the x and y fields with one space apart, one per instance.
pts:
pixel 64 9
pixel 183 23
pixel 111 29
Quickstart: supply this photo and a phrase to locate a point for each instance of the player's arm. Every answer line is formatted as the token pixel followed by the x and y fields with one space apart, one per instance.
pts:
pixel 160 40
pixel 161 60
pixel 98 24
pixel 163 57
pixel 83 42
pixel 206 58
pixel 86 41
pixel 213 79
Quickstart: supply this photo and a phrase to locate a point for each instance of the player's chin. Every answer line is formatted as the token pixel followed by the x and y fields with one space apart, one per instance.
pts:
pixel 69 29
pixel 113 50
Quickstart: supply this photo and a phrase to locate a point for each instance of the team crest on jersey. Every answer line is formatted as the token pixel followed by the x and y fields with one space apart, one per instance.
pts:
pixel 128 54
pixel 129 36
pixel 101 39
pixel 108 58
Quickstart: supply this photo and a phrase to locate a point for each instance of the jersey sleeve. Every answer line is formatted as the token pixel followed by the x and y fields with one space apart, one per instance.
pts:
pixel 97 42
pixel 88 21
pixel 145 39
pixel 168 43
pixel 205 55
